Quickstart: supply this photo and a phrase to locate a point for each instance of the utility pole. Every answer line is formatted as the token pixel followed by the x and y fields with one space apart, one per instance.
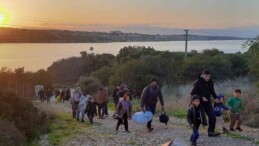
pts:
pixel 186 43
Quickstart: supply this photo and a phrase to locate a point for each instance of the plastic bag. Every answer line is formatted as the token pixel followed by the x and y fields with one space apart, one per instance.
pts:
pixel 142 117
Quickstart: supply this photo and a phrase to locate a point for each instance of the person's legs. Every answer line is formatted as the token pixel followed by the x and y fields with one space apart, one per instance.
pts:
pixel 118 123
pixel 212 118
pixel 73 111
pixel 239 121
pixel 221 121
pixel 99 110
pixel 152 109
pixel 125 119
pixel 106 108
pixel 83 116
pixel 232 121
pixel 195 135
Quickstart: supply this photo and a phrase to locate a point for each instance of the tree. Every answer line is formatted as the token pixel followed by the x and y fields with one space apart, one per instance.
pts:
pixel 88 84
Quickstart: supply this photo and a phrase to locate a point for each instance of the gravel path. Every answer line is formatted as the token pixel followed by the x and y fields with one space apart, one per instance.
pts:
pixel 103 133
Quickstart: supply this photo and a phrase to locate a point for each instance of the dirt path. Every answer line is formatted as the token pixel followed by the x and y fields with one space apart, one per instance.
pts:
pixel 103 133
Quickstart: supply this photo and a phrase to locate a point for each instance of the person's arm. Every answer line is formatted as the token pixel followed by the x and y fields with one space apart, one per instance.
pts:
pixel 161 98
pixel 212 91
pixel 190 118
pixel 195 88
pixel 225 108
pixel 205 122
pixel 229 103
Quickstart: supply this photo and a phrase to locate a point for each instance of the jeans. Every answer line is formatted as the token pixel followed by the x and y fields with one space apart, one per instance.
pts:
pixel 195 134
pixel 211 116
pixel 82 115
pixel 101 110
pixel 151 108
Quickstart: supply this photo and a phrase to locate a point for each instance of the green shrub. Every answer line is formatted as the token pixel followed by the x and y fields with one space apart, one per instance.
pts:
pixel 10 135
pixel 88 84
pixel 24 116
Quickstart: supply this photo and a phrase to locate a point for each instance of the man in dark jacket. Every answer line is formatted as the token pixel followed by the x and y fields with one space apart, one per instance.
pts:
pixel 149 99
pixel 204 88
pixel 48 95
pixel 116 96
pixel 41 94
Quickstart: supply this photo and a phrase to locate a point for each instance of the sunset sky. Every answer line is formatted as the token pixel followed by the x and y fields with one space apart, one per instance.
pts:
pixel 98 14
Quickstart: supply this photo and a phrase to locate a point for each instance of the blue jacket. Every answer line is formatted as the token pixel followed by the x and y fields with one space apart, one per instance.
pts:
pixel 219 108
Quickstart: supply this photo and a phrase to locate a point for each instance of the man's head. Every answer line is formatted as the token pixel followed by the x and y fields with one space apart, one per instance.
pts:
pixel 153 83
pixel 237 93
pixel 206 75
pixel 195 100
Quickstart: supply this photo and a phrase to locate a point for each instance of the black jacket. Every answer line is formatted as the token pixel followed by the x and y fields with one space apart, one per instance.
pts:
pixel 91 108
pixel 204 89
pixel 115 94
pixel 193 114
pixel 150 96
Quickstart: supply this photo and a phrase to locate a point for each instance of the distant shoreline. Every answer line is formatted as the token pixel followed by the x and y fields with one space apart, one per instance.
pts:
pixel 15 35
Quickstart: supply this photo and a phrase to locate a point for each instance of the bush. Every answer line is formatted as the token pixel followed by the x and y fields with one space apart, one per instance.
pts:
pixel 88 84
pixel 10 135
pixel 24 116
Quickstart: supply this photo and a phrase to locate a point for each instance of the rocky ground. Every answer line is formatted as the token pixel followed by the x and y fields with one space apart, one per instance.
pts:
pixel 103 133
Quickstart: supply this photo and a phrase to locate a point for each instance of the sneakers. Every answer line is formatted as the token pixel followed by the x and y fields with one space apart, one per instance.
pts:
pixel 225 130
pixel 239 129
pixel 213 134
pixel 194 144
pixel 127 131
pixel 82 121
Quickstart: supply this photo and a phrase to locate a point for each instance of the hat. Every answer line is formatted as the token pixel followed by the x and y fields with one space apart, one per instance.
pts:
pixel 220 96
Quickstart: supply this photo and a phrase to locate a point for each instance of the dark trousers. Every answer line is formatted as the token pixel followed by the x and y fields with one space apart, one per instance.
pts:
pixel 211 116
pixel 234 120
pixel 195 134
pixel 120 121
pixel 152 109
pixel 90 117
pixel 101 110
pixel 105 108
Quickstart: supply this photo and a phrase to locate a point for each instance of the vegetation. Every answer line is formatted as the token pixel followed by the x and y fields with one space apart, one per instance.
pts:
pixel 20 120
pixel 64 127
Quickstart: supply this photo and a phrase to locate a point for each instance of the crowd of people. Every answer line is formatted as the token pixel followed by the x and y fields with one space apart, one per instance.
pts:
pixel 200 106
pixel 60 96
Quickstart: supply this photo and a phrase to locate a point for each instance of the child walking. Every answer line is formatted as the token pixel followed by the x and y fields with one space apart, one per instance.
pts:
pixel 219 107
pixel 82 107
pixel 196 117
pixel 91 109
pixel 235 103
pixel 124 112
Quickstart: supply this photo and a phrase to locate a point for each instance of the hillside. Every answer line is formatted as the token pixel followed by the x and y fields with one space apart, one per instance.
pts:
pixel 15 35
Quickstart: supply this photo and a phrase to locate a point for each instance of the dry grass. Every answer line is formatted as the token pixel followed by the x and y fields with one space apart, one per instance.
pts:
pixel 177 98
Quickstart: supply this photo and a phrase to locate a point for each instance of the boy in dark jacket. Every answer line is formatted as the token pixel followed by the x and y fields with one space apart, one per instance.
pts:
pixel 218 108
pixel 91 109
pixel 196 117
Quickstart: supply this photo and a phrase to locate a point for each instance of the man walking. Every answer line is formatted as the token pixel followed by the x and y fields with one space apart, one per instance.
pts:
pixel 149 99
pixel 204 88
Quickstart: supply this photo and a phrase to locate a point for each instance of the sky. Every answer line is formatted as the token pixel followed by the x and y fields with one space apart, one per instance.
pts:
pixel 98 15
